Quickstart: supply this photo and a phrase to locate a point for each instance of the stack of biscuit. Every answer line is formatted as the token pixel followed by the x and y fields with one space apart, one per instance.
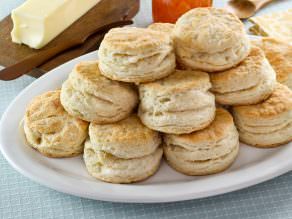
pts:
pixel 162 90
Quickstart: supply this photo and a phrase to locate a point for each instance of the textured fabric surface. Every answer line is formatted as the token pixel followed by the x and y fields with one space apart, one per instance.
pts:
pixel 22 198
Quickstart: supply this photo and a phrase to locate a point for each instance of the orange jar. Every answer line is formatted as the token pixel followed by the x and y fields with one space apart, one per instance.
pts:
pixel 170 10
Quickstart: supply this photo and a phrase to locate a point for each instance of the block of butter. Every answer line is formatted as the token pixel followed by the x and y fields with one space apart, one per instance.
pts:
pixel 37 22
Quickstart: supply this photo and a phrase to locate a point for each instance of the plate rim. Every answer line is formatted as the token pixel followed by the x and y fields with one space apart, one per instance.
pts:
pixel 115 197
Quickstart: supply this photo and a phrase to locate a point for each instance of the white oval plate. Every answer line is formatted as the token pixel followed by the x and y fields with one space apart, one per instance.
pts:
pixel 69 175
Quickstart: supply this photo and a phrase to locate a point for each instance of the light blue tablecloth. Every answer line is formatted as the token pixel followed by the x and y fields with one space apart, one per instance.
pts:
pixel 22 198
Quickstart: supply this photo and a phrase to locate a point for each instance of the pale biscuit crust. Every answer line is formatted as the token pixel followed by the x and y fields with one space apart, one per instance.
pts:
pixel 252 81
pixel 177 104
pixel 179 81
pixel 162 27
pixel 109 168
pixel 128 138
pixel 136 55
pixel 210 39
pixel 51 130
pixel 204 152
pixel 279 54
pixel 92 97
pixel 245 75
pixel 266 124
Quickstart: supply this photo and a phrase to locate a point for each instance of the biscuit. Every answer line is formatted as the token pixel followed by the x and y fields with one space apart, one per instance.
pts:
pixel 206 151
pixel 109 168
pixel 269 123
pixel 250 82
pixel 279 55
pixel 210 39
pixel 126 139
pixel 122 152
pixel 51 130
pixel 162 27
pixel 180 103
pixel 136 55
pixel 92 97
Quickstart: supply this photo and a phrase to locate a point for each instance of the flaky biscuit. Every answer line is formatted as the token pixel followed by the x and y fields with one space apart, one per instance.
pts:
pixel 269 123
pixel 51 130
pixel 92 97
pixel 109 168
pixel 250 82
pixel 206 151
pixel 122 152
pixel 279 54
pixel 180 103
pixel 210 39
pixel 136 55
pixel 128 138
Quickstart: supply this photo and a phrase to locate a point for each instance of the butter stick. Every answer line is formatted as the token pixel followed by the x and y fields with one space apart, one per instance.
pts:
pixel 37 22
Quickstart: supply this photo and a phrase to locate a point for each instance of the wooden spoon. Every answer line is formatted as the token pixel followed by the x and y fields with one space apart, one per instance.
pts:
pixel 246 8
pixel 26 65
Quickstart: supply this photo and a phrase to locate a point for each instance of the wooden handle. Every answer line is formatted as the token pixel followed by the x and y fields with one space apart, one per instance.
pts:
pixel 245 8
pixel 260 3
pixel 23 67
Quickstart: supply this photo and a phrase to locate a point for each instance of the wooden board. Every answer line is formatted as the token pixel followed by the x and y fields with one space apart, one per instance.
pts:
pixel 104 12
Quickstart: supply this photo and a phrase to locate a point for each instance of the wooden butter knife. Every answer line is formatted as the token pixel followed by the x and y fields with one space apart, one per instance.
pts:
pixel 26 65
pixel 246 8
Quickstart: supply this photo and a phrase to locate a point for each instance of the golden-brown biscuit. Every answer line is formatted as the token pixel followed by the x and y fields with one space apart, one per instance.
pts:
pixel 210 39
pixel 279 54
pixel 269 123
pixel 92 97
pixel 51 130
pixel 122 152
pixel 207 151
pixel 180 103
pixel 136 55
pixel 126 139
pixel 250 82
